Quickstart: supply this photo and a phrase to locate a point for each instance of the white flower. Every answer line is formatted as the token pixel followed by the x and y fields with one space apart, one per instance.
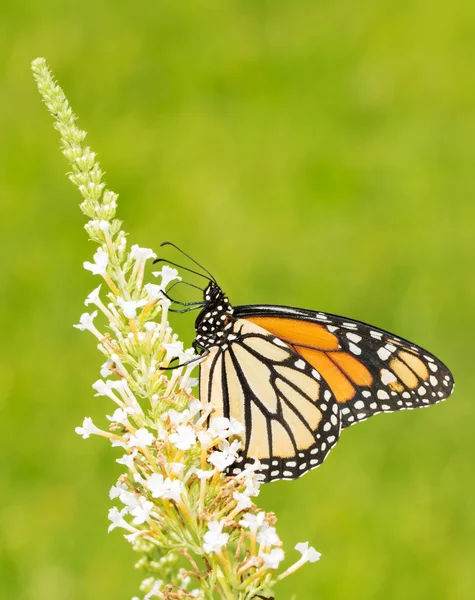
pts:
pixel 141 439
pixel 219 427
pixel 184 438
pixel 273 558
pixel 309 554
pixel 117 489
pixel 176 468
pixel 243 501
pixel 155 483
pixel 106 368
pixel 155 591
pixel 221 459
pixel 189 381
pixel 130 307
pixel 104 226
pixel 119 416
pixel 202 474
pixel 86 322
pixel 93 296
pixel 141 254
pixel 117 519
pixel 174 489
pixel 205 439
pixel 176 418
pixel 127 459
pixel 154 291
pixel 253 522
pixel 103 389
pixel 173 350
pixel 99 266
pixel 168 275
pixel 253 482
pixel 222 427
pixel 267 536
pixel 141 512
pixel 88 428
pixel 214 539
pixel 164 488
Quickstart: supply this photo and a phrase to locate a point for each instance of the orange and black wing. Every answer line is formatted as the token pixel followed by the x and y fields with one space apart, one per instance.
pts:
pixel 369 370
pixel 290 415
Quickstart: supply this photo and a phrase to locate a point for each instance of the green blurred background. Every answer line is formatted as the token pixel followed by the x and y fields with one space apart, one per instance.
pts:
pixel 316 154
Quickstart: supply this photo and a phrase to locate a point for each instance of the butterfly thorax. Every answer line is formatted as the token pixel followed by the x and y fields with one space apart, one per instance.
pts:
pixel 215 319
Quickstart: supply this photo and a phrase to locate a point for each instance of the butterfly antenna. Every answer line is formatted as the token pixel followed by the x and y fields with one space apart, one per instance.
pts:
pixel 157 260
pixel 188 256
pixel 185 283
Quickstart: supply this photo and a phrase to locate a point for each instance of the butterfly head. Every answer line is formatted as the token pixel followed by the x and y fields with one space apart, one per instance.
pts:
pixel 214 318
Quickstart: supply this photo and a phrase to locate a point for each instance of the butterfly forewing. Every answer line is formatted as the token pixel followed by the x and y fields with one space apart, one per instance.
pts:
pixel 369 370
pixel 290 414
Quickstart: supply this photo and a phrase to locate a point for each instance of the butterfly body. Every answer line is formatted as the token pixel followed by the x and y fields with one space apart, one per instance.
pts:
pixel 296 377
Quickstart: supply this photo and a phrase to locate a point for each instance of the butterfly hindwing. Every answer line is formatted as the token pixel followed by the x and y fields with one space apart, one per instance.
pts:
pixel 368 369
pixel 290 414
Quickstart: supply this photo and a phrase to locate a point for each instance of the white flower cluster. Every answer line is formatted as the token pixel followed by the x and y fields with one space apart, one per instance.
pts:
pixel 175 497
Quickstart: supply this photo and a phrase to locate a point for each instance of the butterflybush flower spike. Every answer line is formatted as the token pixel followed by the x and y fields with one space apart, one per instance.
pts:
pixel 174 498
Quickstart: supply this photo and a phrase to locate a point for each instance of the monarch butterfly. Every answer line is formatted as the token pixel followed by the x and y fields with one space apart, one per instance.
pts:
pixel 296 377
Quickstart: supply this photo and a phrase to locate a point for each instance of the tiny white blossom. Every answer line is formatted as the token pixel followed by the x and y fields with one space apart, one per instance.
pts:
pixel 174 489
pixel 86 321
pixel 184 438
pixel 99 266
pixel 104 226
pixel 103 389
pixel 214 538
pixel 173 350
pixel 119 416
pixel 253 482
pixel 130 307
pixel 141 512
pixel 117 520
pixel 88 428
pixel 141 439
pixel 221 459
pixel 155 484
pixel 106 369
pixel 205 439
pixel 267 536
pixel 218 427
pixel 176 418
pixel 168 275
pixel 164 488
pixel 253 522
pixel 117 489
pixel 309 554
pixel 190 382
pixel 155 591
pixel 93 296
pixel 154 291
pixel 222 427
pixel 127 459
pixel 141 254
pixel 202 474
pixel 273 558
pixel 176 468
pixel 243 501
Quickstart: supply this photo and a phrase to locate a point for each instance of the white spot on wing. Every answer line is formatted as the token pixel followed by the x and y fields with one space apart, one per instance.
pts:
pixel 387 377
pixel 383 354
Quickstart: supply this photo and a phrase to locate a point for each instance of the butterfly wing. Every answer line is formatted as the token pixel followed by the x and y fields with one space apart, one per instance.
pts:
pixel 369 370
pixel 290 414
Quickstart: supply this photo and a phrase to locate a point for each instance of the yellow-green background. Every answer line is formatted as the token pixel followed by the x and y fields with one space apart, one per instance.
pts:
pixel 316 154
